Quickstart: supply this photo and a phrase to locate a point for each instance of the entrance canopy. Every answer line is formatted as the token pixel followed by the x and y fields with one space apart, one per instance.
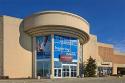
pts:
pixel 57 22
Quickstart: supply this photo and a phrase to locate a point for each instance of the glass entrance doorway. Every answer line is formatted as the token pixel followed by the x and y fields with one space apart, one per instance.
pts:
pixel 69 71
pixel 57 72
pixel 66 71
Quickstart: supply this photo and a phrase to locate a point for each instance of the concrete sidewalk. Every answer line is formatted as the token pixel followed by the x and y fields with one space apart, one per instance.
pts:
pixel 68 80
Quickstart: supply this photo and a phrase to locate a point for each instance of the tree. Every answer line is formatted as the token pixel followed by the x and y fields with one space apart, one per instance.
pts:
pixel 90 67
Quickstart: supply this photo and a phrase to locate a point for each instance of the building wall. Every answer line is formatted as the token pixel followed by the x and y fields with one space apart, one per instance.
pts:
pixel 91 49
pixel 57 22
pixel 104 54
pixel 118 61
pixel 17 59
pixel 116 66
pixel 105 51
pixel 118 58
pixel 1 45
pixel 100 51
pixel 16 46
pixel 56 18
pixel 110 57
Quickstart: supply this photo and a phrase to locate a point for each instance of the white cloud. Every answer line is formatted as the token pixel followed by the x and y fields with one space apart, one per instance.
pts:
pixel 119 45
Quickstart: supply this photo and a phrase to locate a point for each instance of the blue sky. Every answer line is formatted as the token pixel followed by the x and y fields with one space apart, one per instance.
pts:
pixel 106 17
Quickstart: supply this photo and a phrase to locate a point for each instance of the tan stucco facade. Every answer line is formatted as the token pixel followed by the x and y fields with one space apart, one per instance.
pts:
pixel 57 22
pixel 17 39
pixel 104 54
pixel 1 45
pixel 18 49
pixel 17 61
pixel 91 49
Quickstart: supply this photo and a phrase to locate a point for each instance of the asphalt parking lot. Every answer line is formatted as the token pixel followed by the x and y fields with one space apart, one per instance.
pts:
pixel 68 80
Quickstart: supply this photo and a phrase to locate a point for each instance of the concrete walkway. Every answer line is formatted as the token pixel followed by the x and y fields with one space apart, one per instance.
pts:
pixel 69 80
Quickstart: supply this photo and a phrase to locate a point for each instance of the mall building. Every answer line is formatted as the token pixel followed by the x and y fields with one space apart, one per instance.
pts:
pixel 53 44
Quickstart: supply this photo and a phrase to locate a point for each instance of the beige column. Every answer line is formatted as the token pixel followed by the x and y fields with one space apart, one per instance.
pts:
pixel 82 73
pixel 52 56
pixel 78 58
pixel 34 70
pixel 114 69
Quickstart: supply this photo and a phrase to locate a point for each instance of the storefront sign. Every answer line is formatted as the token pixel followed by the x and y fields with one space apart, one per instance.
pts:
pixel 65 58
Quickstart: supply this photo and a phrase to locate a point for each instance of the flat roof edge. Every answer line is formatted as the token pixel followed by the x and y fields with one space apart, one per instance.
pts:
pixel 10 17
pixel 62 12
pixel 105 44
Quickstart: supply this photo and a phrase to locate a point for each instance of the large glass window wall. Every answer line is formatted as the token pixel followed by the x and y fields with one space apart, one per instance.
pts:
pixel 43 54
pixel 66 46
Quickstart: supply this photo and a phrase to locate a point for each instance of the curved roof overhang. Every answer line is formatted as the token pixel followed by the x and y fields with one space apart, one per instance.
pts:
pixel 57 22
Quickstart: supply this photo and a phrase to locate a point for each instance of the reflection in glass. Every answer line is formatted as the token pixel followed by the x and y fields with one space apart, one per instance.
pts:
pixel 43 47
pixel 65 46
pixel 43 54
pixel 43 68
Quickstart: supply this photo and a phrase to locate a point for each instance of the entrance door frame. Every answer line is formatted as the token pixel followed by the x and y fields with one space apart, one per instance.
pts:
pixel 62 70
pixel 69 65
pixel 57 73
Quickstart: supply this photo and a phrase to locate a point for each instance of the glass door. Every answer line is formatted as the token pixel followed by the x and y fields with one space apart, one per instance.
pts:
pixel 57 72
pixel 73 71
pixel 69 71
pixel 43 68
pixel 66 71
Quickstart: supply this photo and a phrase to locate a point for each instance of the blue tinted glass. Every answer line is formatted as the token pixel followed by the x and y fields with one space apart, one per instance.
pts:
pixel 57 64
pixel 74 48
pixel 65 46
pixel 43 47
pixel 57 47
pixel 43 68
pixel 74 41
pixel 57 54
pixel 57 39
pixel 74 51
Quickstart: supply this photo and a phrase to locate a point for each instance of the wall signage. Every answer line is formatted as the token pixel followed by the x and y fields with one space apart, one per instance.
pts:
pixel 65 58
